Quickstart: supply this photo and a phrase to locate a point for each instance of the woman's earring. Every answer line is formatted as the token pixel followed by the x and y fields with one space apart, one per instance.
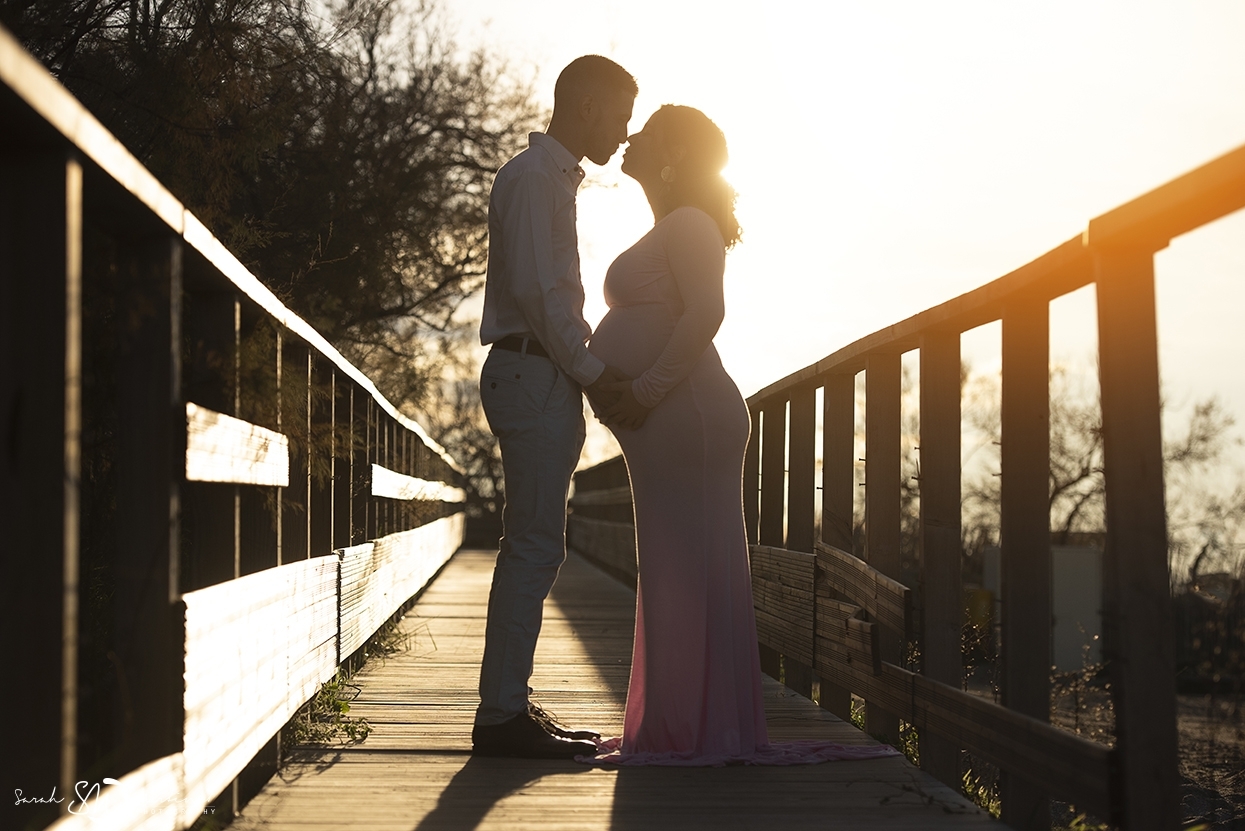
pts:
pixel 667 174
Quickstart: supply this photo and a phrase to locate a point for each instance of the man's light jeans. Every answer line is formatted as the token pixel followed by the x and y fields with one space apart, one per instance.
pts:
pixel 536 412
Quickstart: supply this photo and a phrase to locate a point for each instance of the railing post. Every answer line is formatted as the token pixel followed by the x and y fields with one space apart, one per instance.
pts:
pixel 149 622
pixel 258 392
pixel 1025 537
pixel 773 497
pixel 838 486
pixel 319 427
pixel 801 507
pixel 390 451
pixel 360 492
pixel 295 357
pixel 210 544
pixel 940 534
pixel 343 459
pixel 1138 642
pixel 882 500
pixel 802 488
pixel 773 471
pixel 752 478
pixel 41 415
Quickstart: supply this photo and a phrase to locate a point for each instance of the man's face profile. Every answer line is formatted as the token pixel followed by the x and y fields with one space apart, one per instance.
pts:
pixel 611 111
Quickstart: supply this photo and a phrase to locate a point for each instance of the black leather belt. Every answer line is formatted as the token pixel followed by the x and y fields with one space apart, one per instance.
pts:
pixel 514 343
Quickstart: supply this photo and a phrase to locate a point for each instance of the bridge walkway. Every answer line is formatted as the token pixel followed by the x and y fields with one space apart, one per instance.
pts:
pixel 415 773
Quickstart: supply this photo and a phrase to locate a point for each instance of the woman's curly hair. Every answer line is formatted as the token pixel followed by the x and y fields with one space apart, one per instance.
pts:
pixel 697 179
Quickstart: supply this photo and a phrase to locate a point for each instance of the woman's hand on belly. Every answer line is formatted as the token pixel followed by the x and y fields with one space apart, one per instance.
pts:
pixel 626 413
pixel 601 393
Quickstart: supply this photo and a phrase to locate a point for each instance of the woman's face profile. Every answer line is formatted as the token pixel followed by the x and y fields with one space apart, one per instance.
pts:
pixel 643 158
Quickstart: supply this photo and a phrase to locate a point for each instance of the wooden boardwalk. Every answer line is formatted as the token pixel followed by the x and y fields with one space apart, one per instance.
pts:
pixel 414 772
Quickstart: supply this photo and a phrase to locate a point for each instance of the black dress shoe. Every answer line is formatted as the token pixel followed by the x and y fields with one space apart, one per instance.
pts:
pixel 523 738
pixel 555 728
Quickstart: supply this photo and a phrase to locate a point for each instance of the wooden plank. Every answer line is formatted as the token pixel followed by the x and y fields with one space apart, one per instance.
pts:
pixel 608 544
pixel 1064 764
pixel 221 448
pixel 832 618
pixel 891 690
pixel 41 277
pixel 863 644
pixel 788 638
pixel 606 496
pixel 612 473
pixel 1061 763
pixel 393 485
pixel 943 611
pixel 145 799
pixel 773 472
pixel 356 601
pixel 779 561
pixel 1025 538
pixel 782 592
pixel 378 577
pixel 1136 610
pixel 1148 222
pixel 887 601
pixel 802 487
pixel 241 689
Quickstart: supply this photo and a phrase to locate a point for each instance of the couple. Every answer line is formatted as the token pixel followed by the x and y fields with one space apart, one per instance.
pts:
pixel 653 376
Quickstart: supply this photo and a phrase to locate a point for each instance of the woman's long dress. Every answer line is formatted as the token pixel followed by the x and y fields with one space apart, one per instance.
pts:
pixel 695 691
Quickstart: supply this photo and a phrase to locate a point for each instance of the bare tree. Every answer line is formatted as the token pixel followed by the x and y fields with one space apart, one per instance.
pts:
pixel 346 159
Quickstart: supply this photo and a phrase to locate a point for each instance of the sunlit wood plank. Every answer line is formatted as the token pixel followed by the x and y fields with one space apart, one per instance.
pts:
pixel 256 649
pixel 377 577
pixel 221 448
pixel 393 485
pixel 146 799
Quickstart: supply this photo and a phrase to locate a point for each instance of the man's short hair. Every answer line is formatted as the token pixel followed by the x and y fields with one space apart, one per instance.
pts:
pixel 592 74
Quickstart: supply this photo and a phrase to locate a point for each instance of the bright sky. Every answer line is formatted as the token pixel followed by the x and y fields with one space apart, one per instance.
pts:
pixel 892 155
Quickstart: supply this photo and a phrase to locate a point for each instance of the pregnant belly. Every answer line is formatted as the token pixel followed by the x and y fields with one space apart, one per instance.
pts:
pixel 632 337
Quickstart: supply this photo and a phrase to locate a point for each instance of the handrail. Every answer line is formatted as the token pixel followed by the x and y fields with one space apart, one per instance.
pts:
pixel 26 78
pixel 225 568
pixel 1213 190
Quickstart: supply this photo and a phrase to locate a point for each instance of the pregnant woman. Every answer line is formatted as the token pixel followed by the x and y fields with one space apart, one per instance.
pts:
pixel 695 691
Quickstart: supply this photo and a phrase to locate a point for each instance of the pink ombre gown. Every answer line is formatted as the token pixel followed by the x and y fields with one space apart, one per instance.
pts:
pixel 695 691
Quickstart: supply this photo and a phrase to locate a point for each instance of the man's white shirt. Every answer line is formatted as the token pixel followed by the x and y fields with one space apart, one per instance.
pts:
pixel 533 287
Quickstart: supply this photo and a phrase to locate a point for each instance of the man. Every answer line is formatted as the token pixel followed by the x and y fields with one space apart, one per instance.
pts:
pixel 531 388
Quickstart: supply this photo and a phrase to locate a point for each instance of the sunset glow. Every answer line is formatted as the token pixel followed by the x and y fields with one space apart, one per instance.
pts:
pixel 892 156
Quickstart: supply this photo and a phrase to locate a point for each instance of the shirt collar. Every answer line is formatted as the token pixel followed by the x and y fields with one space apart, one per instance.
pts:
pixel 562 157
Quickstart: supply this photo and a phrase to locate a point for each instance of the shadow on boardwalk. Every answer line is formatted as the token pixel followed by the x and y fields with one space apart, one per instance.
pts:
pixel 415 773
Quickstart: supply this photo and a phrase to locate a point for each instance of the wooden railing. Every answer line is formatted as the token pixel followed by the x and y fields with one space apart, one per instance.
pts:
pixel 824 612
pixel 201 495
